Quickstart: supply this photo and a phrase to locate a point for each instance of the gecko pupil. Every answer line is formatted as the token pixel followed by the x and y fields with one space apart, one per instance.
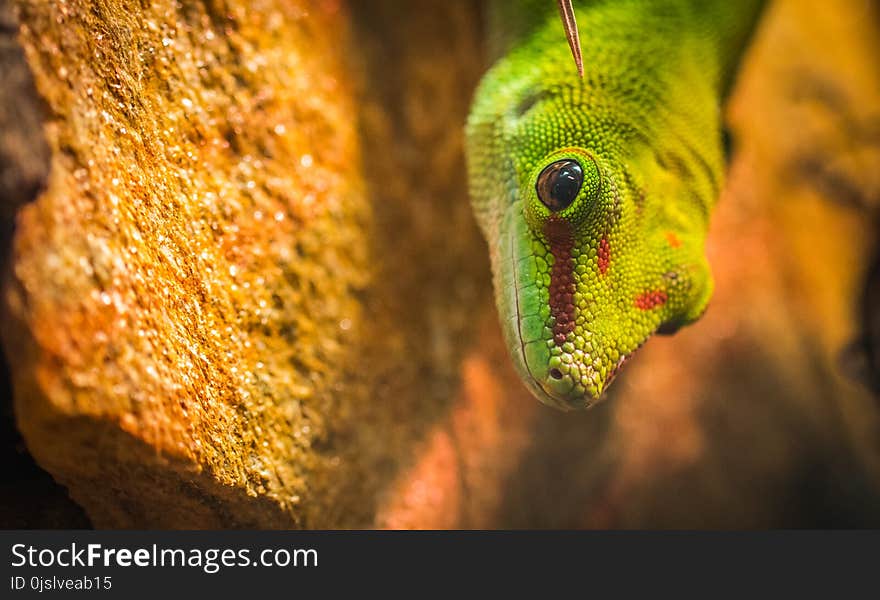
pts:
pixel 559 183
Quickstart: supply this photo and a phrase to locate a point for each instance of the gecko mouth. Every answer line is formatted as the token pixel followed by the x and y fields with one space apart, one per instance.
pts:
pixel 531 354
pixel 537 388
pixel 612 375
pixel 568 402
pixel 574 384
pixel 538 385
pixel 519 353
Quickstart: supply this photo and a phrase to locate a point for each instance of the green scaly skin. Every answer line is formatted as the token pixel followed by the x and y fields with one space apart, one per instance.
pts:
pixel 580 289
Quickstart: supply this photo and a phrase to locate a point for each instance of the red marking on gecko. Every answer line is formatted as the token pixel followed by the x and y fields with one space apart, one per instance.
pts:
pixel 651 299
pixel 673 240
pixel 604 255
pixel 562 282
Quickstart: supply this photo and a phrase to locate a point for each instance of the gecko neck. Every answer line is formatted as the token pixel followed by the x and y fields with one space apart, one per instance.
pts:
pixel 728 24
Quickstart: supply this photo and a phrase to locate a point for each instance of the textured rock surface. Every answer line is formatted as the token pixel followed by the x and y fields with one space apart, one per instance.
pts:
pixel 253 294
pixel 183 291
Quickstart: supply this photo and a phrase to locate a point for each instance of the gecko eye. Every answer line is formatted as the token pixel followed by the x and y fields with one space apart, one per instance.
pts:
pixel 559 183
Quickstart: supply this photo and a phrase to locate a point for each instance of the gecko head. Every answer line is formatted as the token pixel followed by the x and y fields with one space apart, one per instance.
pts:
pixel 596 218
pixel 592 273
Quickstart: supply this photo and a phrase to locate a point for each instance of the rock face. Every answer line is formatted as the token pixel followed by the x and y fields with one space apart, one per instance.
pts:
pixel 252 293
pixel 185 289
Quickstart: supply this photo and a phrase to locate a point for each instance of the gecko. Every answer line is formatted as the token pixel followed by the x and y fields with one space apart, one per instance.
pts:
pixel 594 189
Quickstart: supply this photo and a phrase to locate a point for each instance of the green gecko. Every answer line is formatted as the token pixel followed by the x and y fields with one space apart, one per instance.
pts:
pixel 594 194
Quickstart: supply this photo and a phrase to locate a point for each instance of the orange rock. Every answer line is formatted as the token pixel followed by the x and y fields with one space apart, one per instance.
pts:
pixel 179 289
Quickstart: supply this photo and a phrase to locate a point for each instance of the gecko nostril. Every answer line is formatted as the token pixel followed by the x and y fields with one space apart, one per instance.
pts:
pixel 555 373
